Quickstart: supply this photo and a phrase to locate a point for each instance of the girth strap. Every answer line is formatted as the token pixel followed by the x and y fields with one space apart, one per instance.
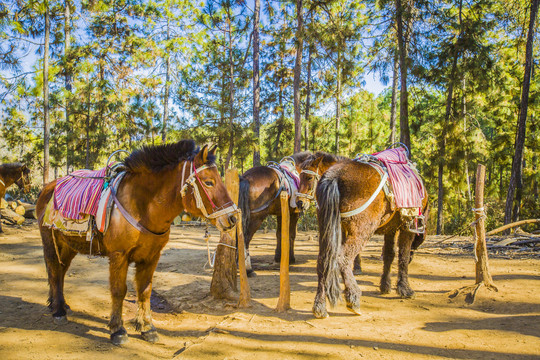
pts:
pixel 130 219
pixel 370 200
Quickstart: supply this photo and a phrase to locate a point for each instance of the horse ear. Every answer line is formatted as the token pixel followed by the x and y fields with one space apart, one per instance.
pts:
pixel 212 150
pixel 203 154
pixel 317 162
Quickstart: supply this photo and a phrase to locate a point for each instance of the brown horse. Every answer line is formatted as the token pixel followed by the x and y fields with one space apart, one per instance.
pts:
pixel 14 173
pixel 344 187
pixel 259 197
pixel 159 183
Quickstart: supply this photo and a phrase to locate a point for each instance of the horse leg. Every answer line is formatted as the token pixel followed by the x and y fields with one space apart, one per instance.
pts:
pixel 118 268
pixel 405 240
pixel 319 305
pixel 357 267
pixel 143 279
pixel 352 246
pixel 254 224
pixel 277 254
pixel 56 271
pixel 388 258
pixel 292 235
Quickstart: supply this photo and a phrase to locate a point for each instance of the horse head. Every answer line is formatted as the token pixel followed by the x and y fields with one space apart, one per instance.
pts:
pixel 23 181
pixel 209 197
pixel 309 176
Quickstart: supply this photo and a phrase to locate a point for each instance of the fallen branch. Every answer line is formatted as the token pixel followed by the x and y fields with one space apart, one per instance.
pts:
pixel 511 225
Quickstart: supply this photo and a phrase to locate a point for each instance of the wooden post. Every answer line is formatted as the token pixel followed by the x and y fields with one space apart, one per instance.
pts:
pixel 284 302
pixel 245 295
pixel 223 284
pixel 483 277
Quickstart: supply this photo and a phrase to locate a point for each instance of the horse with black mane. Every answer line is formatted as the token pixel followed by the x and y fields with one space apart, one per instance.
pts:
pixel 260 187
pixel 158 184
pixel 352 208
pixel 14 173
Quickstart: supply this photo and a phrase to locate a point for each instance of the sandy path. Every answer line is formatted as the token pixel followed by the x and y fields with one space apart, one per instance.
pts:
pixel 503 325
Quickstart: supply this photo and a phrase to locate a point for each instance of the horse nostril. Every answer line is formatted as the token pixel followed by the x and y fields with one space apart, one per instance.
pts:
pixel 232 220
pixel 300 204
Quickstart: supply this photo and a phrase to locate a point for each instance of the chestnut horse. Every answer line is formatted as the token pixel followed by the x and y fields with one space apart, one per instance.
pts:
pixel 14 173
pixel 346 186
pixel 259 197
pixel 159 183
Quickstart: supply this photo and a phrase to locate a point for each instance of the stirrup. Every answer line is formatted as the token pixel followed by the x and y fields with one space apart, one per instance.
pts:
pixel 417 225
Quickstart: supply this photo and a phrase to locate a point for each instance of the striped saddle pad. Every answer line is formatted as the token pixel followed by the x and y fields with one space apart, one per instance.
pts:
pixel 407 185
pixel 78 194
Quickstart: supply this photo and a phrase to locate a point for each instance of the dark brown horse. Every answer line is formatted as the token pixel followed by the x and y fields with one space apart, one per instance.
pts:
pixel 14 173
pixel 259 197
pixel 344 187
pixel 159 183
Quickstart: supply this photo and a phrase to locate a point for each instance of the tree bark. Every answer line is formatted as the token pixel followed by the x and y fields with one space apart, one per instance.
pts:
pixel 46 122
pixel 256 85
pixel 448 111
pixel 393 105
pixel 308 99
pixel 231 93
pixel 404 137
pixel 338 99
pixel 515 176
pixel 67 46
pixel 297 76
pixel 167 82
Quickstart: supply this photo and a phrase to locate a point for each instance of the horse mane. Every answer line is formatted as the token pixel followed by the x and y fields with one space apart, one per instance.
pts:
pixel 11 168
pixel 300 157
pixel 162 157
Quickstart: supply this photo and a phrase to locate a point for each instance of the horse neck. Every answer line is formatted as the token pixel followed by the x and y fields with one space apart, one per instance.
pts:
pixel 10 175
pixel 154 196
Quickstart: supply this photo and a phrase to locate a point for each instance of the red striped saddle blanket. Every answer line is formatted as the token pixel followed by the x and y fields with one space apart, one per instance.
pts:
pixel 407 185
pixel 78 194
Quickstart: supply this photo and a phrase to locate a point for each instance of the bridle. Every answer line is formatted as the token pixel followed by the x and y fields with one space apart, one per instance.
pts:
pixel 316 177
pixel 191 181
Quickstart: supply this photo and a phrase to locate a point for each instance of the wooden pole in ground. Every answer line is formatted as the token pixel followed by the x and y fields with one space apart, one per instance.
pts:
pixel 223 284
pixel 284 302
pixel 245 295
pixel 483 277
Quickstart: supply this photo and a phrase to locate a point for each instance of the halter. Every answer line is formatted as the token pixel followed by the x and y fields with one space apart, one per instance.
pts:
pixel 309 196
pixel 190 181
pixel 2 182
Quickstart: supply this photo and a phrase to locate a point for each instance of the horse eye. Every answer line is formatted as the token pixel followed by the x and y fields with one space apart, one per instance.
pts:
pixel 209 183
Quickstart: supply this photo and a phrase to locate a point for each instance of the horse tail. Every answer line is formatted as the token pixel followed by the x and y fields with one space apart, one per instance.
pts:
pixel 329 236
pixel 243 203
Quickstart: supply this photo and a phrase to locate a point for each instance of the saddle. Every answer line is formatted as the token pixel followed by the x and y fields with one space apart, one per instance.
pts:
pixel 289 178
pixel 404 188
pixel 82 201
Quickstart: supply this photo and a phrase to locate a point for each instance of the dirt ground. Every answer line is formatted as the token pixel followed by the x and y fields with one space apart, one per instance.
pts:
pixel 502 325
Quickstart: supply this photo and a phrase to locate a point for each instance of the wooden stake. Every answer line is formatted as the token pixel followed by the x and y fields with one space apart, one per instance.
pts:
pixel 284 302
pixel 483 277
pixel 245 295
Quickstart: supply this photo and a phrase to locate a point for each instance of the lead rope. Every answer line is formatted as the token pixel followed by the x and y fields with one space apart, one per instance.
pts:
pixel 212 257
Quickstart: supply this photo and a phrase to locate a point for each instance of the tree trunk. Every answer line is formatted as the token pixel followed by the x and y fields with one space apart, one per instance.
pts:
pixel 297 76
pixel 231 95
pixel 442 145
pixel 46 122
pixel 338 99
pixel 167 84
pixel 515 176
pixel 256 85
pixel 393 114
pixel 88 127
pixel 308 99
pixel 67 46
pixel 464 113
pixel 404 137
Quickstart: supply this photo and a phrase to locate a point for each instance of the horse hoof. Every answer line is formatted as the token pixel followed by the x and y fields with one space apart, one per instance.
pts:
pixel 320 314
pixel 354 310
pixel 60 320
pixel 151 336
pixel 406 293
pixel 251 273
pixel 120 337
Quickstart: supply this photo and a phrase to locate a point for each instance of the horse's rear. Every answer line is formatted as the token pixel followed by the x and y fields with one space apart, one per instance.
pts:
pixel 344 188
